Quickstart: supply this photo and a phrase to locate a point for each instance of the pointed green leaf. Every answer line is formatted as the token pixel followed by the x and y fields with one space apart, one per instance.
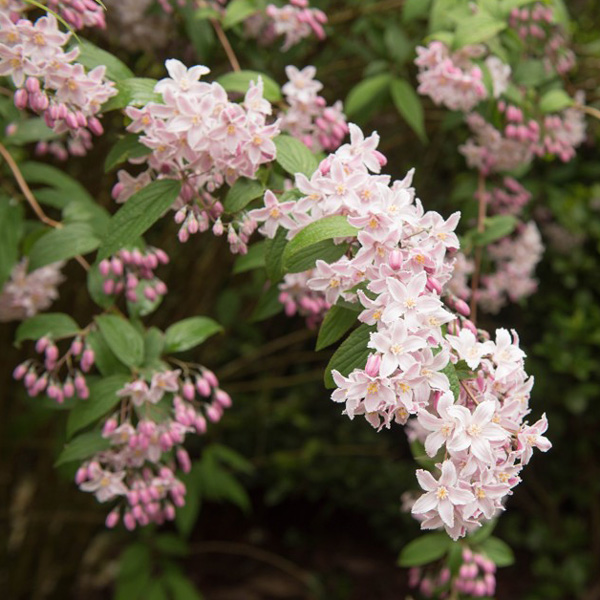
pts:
pixel 409 106
pixel 190 333
pixel 136 91
pixel 294 157
pixel 90 56
pixel 254 259
pixel 498 551
pixel 242 192
pixel 237 11
pixel 54 325
pixel 424 549
pixel 122 338
pixel 365 93
pixel 138 214
pixel 11 230
pixel 103 398
pixel 336 323
pixel 555 101
pixel 274 254
pixel 126 147
pixel 352 354
pixel 82 447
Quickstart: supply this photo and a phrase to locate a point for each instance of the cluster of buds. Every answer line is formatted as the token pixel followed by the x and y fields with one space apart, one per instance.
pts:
pixel 475 578
pixel 49 82
pixel 203 139
pixel 297 298
pixel 308 118
pixel 132 271
pixel 25 294
pixel 44 376
pixel 508 199
pixel 295 21
pixel 146 444
pixel 79 13
pixel 538 30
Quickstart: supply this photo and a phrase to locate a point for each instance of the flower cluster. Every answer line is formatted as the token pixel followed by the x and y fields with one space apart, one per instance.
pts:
pixel 482 433
pixel 452 79
pixel 308 118
pixel 145 444
pixel 133 271
pixel 25 294
pixel 508 199
pixel 79 13
pixel 201 138
pixel 515 259
pixel 396 271
pixel 476 577
pixel 295 21
pixel 48 80
pixel 536 27
pixel 45 377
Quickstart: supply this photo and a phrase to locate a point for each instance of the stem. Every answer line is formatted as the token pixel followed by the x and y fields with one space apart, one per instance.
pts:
pixel 233 61
pixel 481 197
pixel 37 209
pixel 589 110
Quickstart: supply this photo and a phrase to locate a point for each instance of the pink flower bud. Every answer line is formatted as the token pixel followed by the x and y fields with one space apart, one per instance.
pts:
pixel 395 259
pixel 223 398
pixel 373 364
pixel 200 424
pixel 462 307
pixel 210 377
pixel 21 98
pixel 20 371
pixel 112 519
pixel 214 413
pixel 42 344
pixel 129 521
pixel 184 460
pixel 81 475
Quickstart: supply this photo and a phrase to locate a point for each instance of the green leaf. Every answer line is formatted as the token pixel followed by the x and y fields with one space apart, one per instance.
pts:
pixel 122 338
pixel 35 172
pixel 105 359
pixel 136 91
pixel 138 214
pixel 530 73
pixel 237 11
pixel 482 533
pixel 93 215
pixel 126 147
pixel 135 565
pixel 11 230
pixel 450 372
pixel 82 447
pixel 498 551
pixel 424 549
pixel 409 106
pixel 555 100
pixel 54 325
pixel 351 354
pixel 181 587
pixel 294 157
pixel 31 130
pixel 254 259
pixel 336 323
pixel 231 458
pixel 306 258
pixel 268 305
pixel 190 333
pixel 496 227
pixel 274 249
pixel 415 9
pixel 90 56
pixel 171 544
pixel 71 240
pixel 103 398
pixel 477 28
pixel 186 516
pixel 327 228
pixel 242 193
pixel 362 95
pixel 239 81
pixel 154 345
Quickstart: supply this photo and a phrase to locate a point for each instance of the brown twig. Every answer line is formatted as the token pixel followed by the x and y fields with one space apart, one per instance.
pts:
pixel 37 209
pixel 233 61
pixel 589 110
pixel 482 199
